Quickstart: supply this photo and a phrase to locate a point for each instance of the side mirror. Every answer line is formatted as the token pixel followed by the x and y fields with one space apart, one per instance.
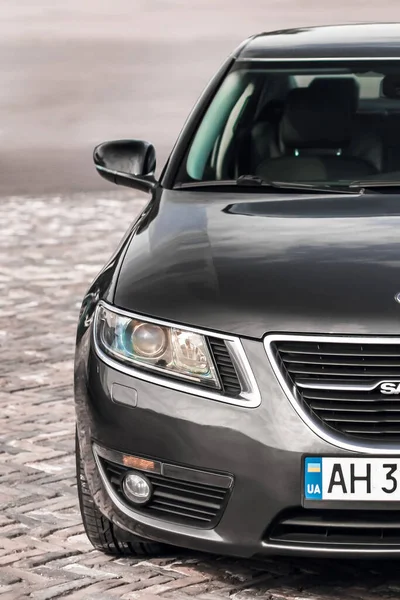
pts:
pixel 127 162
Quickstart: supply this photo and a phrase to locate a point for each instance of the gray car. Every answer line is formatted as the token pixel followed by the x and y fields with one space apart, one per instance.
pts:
pixel 237 376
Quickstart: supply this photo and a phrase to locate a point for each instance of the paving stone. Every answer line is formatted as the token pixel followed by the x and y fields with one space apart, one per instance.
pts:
pixel 51 248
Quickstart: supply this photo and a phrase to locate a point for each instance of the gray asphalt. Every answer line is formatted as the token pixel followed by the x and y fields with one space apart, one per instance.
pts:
pixel 78 72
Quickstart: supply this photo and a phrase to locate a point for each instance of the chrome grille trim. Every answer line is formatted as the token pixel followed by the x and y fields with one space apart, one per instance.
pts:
pixel 346 388
pixel 330 436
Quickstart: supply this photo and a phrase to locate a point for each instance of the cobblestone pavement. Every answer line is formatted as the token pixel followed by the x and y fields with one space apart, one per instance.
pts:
pixel 50 249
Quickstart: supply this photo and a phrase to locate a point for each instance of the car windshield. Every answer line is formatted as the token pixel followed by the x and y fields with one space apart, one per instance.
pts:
pixel 328 122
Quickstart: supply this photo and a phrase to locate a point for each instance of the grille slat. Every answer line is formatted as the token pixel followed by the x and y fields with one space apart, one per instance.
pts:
pixel 344 372
pixel 195 487
pixel 226 370
pixel 173 502
pixel 306 520
pixel 360 417
pixel 335 360
pixel 224 362
pixel 176 500
pixel 229 381
pixel 346 396
pixel 375 431
pixel 188 491
pixel 373 407
pixel 361 414
pixel 345 348
pixel 187 500
pixel 174 512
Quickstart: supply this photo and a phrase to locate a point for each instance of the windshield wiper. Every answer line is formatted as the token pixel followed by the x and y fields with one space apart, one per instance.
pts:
pixel 255 181
pixel 291 185
pixel 374 183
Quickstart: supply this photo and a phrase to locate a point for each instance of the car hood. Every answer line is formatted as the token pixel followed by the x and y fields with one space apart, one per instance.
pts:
pixel 255 263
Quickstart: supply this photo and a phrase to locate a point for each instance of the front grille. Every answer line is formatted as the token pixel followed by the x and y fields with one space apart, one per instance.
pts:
pixel 327 527
pixel 173 500
pixel 225 368
pixel 317 373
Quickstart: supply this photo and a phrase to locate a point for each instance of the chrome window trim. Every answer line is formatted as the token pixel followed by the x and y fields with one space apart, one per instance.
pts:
pixel 331 438
pixel 250 395
pixel 316 59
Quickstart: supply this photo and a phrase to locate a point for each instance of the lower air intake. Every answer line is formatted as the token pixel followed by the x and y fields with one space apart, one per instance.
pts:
pixel 336 528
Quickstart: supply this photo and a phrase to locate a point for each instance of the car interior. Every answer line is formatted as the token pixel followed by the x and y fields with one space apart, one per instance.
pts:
pixel 328 128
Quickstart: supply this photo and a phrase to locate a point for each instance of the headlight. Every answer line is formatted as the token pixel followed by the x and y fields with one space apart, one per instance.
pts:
pixel 145 344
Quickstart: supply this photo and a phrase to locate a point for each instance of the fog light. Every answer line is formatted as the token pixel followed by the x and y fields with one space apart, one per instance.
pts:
pixel 136 488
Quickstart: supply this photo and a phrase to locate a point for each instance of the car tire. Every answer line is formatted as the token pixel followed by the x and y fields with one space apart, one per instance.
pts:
pixel 102 533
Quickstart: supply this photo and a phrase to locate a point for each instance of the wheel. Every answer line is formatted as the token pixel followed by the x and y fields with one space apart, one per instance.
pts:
pixel 102 533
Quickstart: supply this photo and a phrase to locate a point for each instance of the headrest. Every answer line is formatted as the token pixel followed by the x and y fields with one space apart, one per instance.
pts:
pixel 308 122
pixel 345 90
pixel 271 112
pixel 390 86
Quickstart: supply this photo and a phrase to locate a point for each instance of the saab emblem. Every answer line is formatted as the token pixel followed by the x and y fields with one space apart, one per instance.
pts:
pixel 389 387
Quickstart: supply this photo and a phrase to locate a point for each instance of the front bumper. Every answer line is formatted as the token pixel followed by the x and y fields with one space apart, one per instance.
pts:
pixel 260 448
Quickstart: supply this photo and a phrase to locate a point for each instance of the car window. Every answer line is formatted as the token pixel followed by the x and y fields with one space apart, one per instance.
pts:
pixel 331 122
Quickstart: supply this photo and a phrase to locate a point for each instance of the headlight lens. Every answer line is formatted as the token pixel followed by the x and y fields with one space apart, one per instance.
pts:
pixel 148 341
pixel 169 350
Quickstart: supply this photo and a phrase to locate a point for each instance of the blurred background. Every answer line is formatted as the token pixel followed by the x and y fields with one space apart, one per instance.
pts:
pixel 78 72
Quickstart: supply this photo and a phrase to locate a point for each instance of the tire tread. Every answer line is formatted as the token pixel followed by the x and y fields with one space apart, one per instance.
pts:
pixel 101 531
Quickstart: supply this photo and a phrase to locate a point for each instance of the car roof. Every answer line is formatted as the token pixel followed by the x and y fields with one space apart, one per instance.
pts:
pixel 358 41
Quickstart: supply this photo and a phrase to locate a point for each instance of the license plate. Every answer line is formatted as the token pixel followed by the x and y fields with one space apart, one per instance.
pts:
pixel 361 479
